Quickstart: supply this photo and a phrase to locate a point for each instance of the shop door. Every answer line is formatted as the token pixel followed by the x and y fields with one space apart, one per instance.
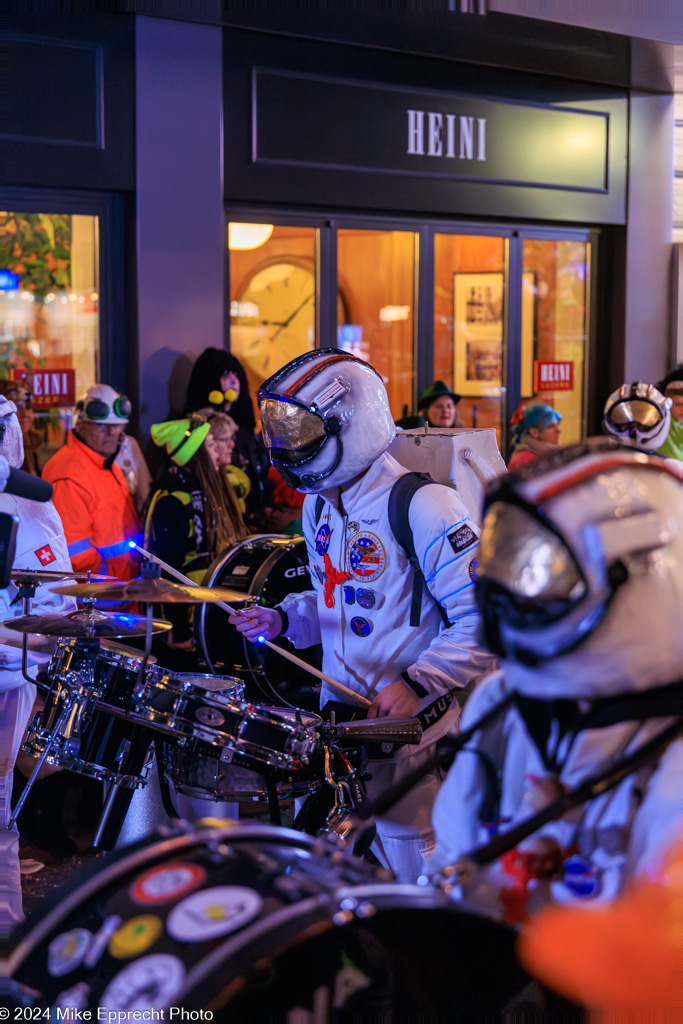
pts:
pixel 511 326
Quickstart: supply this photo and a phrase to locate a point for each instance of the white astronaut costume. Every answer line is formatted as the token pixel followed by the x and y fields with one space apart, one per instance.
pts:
pixel 40 544
pixel 640 416
pixel 362 616
pixel 595 536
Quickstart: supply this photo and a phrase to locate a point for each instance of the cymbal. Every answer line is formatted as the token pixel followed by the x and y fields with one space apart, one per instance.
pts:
pixel 20 576
pixel 153 590
pixel 86 624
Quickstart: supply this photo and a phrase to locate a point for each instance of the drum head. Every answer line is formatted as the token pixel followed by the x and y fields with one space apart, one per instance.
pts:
pixel 261 922
pixel 265 568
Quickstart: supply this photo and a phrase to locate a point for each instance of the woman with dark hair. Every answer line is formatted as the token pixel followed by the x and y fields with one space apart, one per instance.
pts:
pixel 192 514
pixel 218 383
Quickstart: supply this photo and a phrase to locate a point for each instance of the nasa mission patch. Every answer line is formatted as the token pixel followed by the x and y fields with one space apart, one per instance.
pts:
pixel 365 557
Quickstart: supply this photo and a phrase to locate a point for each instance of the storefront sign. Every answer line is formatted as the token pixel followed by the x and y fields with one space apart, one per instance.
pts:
pixel 315 121
pixel 52 389
pixel 553 376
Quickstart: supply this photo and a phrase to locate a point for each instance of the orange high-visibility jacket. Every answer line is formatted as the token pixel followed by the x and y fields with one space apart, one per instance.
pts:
pixel 96 508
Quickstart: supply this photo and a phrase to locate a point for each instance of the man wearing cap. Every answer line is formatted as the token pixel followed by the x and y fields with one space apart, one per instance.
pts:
pixel 90 490
pixel 438 404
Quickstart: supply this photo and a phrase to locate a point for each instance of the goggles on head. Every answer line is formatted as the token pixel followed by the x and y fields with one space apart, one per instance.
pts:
pixel 634 414
pixel 97 409
pixel 525 568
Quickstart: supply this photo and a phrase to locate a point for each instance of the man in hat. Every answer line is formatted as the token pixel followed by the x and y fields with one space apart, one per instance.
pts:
pixel 40 543
pixel 439 406
pixel 90 490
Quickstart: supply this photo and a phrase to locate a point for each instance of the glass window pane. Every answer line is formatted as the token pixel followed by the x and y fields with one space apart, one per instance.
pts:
pixel 554 352
pixel 49 313
pixel 376 272
pixel 272 296
pixel 469 318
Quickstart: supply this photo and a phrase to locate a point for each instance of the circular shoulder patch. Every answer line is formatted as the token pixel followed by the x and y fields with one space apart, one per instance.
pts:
pixel 365 557
pixel 472 570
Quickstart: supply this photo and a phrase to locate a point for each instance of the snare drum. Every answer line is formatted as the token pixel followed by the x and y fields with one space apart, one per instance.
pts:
pixel 264 568
pixel 281 741
pixel 184 702
pixel 197 771
pixel 255 922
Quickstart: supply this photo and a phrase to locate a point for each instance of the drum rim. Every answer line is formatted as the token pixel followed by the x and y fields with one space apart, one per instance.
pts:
pixel 129 859
pixel 283 542
pixel 113 656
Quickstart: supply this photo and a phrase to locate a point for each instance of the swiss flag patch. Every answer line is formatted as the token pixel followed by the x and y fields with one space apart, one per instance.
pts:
pixel 45 555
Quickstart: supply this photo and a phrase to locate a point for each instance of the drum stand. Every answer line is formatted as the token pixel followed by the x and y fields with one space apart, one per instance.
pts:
pixel 88 650
pixel 119 797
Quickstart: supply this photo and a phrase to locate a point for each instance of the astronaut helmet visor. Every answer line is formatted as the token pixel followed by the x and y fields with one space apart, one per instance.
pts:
pixel 635 413
pixel 289 426
pixel 521 557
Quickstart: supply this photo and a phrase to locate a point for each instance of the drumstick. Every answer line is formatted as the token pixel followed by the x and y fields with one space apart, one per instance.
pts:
pixel 356 698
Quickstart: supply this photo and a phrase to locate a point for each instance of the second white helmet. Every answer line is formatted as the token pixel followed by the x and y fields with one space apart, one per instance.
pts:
pixel 325 418
pixel 102 404
pixel 638 413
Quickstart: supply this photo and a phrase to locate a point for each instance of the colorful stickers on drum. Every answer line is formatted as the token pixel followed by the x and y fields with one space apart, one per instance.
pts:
pixel 166 882
pixel 365 557
pixel 213 912
pixel 151 983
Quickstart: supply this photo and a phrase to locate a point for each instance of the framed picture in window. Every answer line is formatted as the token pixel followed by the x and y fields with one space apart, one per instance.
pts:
pixel 479 309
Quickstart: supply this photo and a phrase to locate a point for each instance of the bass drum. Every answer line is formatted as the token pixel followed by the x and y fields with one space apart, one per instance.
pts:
pixel 264 567
pixel 259 923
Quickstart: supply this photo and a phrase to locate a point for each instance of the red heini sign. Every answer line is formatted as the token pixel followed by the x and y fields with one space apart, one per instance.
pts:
pixel 52 389
pixel 553 376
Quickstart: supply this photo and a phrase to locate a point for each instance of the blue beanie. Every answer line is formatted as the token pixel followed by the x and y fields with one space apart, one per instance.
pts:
pixel 537 415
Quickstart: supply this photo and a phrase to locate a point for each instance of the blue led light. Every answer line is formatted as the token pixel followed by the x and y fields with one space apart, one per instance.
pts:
pixel 260 639
pixel 9 281
pixel 132 544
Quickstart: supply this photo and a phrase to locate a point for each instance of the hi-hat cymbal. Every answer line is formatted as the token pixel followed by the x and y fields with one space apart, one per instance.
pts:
pixel 152 590
pixel 23 576
pixel 86 624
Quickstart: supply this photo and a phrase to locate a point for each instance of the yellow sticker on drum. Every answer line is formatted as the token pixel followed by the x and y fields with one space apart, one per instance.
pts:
pixel 210 913
pixel 135 936
pixel 166 882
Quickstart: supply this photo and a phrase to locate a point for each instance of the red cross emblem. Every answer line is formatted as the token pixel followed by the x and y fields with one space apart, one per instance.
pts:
pixel 45 555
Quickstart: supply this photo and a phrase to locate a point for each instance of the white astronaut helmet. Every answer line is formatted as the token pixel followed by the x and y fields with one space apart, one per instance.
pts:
pixel 325 418
pixel 102 404
pixel 638 414
pixel 582 551
pixel 11 438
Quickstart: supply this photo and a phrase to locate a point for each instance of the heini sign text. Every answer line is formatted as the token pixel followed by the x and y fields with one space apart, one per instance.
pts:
pixel 449 135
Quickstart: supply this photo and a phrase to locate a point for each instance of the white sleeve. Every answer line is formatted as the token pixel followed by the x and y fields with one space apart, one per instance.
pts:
pixel 446 543
pixel 303 628
pixel 40 534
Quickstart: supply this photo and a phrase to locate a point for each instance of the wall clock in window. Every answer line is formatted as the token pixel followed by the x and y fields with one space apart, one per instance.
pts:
pixel 272 318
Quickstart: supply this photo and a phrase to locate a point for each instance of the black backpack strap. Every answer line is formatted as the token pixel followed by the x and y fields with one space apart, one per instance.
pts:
pixel 399 505
pixel 319 502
